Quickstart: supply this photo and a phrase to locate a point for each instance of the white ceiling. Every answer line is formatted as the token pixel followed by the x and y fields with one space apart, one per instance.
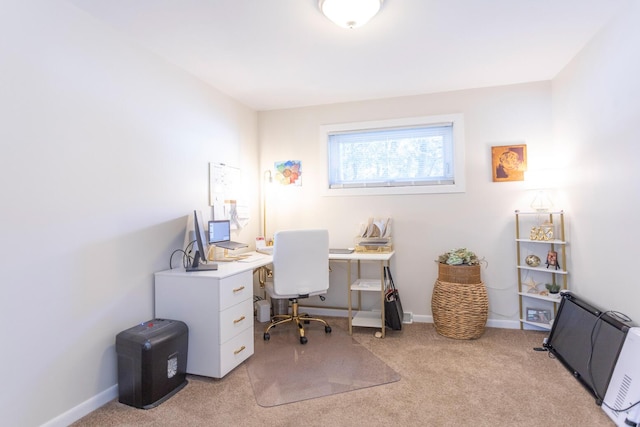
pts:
pixel 272 54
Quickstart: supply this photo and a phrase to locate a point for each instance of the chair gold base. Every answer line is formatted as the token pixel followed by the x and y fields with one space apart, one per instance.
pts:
pixel 297 318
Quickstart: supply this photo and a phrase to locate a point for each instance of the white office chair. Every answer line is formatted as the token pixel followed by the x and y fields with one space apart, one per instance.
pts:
pixel 300 270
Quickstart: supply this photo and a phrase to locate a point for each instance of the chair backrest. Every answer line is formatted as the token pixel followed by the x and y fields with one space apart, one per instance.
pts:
pixel 301 262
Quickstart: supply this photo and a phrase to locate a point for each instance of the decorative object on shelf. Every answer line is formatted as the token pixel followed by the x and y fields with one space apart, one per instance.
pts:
pixel 541 181
pixel 532 286
pixel 534 233
pixel 509 162
pixel 538 315
pixel 542 232
pixel 552 260
pixel 541 202
pixel 459 303
pixel 553 288
pixel 532 260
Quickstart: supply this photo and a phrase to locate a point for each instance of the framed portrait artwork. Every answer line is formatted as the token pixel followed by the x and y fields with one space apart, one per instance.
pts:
pixel 509 162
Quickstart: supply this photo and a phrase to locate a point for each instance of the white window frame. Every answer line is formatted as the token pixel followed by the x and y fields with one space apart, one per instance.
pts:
pixel 458 186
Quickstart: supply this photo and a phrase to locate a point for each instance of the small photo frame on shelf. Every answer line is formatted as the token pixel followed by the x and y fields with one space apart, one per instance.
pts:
pixel 552 260
pixel 538 315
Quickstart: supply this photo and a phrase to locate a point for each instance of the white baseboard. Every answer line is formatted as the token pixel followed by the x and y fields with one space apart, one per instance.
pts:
pixel 504 324
pixel 85 408
pixel 408 318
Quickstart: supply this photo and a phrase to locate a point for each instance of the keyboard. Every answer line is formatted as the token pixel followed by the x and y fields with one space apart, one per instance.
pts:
pixel 251 258
pixel 340 251
pixel 266 250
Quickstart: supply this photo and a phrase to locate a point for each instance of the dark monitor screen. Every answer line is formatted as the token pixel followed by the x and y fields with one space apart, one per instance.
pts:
pixel 200 258
pixel 587 341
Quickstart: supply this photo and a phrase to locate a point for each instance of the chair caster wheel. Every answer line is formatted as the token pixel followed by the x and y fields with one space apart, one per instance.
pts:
pixel 266 336
pixel 327 329
pixel 303 340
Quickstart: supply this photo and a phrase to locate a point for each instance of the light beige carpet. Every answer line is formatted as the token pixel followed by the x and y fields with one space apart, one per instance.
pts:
pixel 283 371
pixel 495 381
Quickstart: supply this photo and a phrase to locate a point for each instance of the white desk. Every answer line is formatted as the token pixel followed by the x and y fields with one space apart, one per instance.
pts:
pixel 370 319
pixel 217 306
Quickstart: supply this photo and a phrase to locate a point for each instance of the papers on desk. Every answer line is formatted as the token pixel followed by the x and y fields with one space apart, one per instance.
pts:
pixel 376 228
pixel 375 237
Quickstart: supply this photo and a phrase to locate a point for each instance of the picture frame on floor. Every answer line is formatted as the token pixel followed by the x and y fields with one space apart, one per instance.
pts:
pixel 538 315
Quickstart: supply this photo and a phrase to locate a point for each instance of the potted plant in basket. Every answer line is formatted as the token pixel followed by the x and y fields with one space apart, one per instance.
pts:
pixel 459 302
pixel 459 266
pixel 461 256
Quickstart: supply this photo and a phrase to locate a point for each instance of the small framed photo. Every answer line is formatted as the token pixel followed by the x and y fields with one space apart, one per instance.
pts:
pixel 552 260
pixel 538 315
pixel 509 162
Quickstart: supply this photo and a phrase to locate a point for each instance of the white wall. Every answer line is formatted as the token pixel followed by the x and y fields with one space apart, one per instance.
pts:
pixel 105 150
pixel 596 102
pixel 480 219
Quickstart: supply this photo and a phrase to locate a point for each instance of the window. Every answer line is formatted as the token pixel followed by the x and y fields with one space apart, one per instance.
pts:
pixel 417 155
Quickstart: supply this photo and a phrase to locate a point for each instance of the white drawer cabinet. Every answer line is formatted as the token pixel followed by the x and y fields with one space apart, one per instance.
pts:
pixel 217 308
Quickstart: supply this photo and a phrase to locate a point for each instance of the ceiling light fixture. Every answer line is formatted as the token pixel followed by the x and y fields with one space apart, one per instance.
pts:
pixel 350 13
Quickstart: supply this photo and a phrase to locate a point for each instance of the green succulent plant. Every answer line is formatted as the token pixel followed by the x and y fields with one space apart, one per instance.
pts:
pixel 553 288
pixel 461 256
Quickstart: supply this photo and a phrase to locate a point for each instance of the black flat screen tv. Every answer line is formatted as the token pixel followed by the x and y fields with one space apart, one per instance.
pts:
pixel 587 341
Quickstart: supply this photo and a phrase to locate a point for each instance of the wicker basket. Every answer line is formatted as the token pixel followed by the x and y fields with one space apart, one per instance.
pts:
pixel 459 310
pixel 459 273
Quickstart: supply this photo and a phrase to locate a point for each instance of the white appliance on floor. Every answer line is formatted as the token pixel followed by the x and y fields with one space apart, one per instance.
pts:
pixel 624 387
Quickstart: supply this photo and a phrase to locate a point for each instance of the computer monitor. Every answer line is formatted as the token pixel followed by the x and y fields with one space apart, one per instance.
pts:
pixel 200 257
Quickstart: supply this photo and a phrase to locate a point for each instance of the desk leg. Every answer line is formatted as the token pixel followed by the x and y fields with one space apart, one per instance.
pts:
pixel 349 294
pixel 359 292
pixel 382 297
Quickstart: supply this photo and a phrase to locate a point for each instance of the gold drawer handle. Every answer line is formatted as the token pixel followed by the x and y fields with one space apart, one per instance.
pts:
pixel 239 350
pixel 241 288
pixel 239 320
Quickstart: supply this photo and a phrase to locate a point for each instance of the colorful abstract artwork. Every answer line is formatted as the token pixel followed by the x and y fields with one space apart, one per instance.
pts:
pixel 289 172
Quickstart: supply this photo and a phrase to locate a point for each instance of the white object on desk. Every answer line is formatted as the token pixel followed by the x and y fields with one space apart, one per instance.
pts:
pixel 267 250
pixel 252 257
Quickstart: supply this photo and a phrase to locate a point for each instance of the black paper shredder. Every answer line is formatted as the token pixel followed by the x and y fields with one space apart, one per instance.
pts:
pixel 152 362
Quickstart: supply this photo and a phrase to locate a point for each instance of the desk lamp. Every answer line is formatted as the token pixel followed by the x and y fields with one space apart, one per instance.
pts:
pixel 268 180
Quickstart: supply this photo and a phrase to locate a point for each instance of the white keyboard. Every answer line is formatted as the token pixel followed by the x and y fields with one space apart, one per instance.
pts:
pixel 252 258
